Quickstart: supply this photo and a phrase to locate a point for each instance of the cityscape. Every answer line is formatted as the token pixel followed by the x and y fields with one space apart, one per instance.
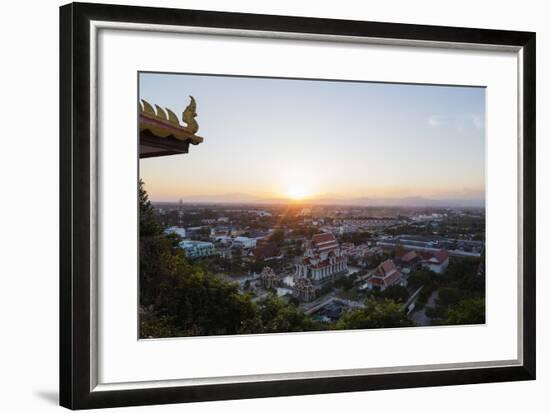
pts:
pixel 241 235
pixel 328 260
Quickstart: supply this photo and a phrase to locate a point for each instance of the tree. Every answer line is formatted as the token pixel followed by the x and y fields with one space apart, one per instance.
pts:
pixel 148 225
pixel 421 277
pixel 385 314
pixel 346 283
pixel 182 298
pixel 397 293
pixel 178 297
pixel 449 296
pixel 273 315
pixel 469 311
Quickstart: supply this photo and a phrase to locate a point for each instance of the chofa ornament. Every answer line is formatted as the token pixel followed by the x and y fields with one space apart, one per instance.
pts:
pixel 163 122
pixel 189 115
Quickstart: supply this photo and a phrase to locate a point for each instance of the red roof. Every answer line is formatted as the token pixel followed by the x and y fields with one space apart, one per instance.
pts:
pixel 425 255
pixel 441 256
pixel 326 263
pixel 385 281
pixel 266 251
pixel 386 274
pixel 323 237
pixel 438 257
pixel 399 252
pixel 409 256
pixel 385 268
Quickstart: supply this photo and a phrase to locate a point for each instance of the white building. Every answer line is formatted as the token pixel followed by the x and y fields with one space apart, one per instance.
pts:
pixel 322 259
pixel 436 261
pixel 244 242
pixel 176 230
pixel 196 249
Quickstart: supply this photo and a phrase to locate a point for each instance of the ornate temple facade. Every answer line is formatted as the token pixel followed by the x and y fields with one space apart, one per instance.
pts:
pixel 268 278
pixel 304 289
pixel 322 259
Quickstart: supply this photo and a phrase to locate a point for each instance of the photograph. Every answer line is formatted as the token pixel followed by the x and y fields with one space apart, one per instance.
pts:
pixel 286 205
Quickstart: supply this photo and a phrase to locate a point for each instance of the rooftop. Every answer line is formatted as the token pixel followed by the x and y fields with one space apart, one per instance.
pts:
pixel 160 132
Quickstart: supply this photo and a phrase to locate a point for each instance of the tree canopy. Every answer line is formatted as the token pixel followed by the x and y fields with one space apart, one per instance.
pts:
pixel 385 314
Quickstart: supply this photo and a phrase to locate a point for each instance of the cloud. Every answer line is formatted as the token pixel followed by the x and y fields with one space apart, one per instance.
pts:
pixel 434 120
pixel 459 122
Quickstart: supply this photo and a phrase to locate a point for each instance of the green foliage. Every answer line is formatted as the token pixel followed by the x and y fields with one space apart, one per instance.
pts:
pixel 422 277
pixel 346 283
pixel 469 311
pixel 183 298
pixel 397 293
pixel 152 326
pixel 461 293
pixel 148 225
pixel 449 296
pixel 385 314
pixel 273 315
pixel 257 266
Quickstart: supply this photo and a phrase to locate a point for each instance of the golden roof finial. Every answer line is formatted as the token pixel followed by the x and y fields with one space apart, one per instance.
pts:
pixel 189 115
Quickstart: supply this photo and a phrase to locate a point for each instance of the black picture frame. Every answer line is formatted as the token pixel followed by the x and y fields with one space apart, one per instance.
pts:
pixel 75 219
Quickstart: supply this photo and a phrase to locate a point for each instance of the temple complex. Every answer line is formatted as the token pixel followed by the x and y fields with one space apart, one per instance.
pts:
pixel 322 259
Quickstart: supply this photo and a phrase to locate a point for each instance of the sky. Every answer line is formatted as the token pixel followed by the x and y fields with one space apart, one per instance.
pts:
pixel 267 138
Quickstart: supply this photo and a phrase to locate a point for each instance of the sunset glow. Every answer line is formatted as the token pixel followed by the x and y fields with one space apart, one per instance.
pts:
pixel 297 192
pixel 342 145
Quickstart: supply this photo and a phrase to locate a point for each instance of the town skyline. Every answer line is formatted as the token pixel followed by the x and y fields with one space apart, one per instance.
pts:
pixel 277 140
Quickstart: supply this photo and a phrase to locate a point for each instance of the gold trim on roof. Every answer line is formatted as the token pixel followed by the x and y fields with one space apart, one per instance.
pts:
pixel 163 123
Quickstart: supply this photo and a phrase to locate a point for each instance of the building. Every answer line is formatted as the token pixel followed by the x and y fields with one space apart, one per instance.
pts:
pixel 193 231
pixel 436 261
pixel 197 249
pixel 303 289
pixel 409 260
pixel 244 242
pixel 268 278
pixel 322 259
pixel 369 223
pixel 176 230
pixel 384 276
pixel 160 131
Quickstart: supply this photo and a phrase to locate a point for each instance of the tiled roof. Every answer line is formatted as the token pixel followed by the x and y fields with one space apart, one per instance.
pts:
pixel 385 281
pixel 326 263
pixel 437 257
pixel 441 256
pixel 409 256
pixel 385 268
pixel 323 237
pixel 266 251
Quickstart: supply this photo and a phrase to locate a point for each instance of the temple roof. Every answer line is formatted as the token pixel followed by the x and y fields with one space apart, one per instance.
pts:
pixel 160 131
pixel 324 242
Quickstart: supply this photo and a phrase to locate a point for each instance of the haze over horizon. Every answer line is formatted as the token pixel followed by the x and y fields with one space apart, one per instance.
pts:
pixel 336 142
pixel 240 198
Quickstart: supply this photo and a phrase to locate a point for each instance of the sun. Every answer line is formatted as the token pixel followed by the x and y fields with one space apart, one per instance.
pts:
pixel 297 192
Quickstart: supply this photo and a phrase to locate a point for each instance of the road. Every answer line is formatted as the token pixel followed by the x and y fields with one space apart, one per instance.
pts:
pixel 420 317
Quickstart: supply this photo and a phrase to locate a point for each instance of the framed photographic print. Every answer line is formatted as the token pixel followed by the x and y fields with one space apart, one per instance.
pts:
pixel 258 206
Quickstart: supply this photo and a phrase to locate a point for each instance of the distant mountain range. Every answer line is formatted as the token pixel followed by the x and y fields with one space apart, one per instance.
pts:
pixel 416 201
